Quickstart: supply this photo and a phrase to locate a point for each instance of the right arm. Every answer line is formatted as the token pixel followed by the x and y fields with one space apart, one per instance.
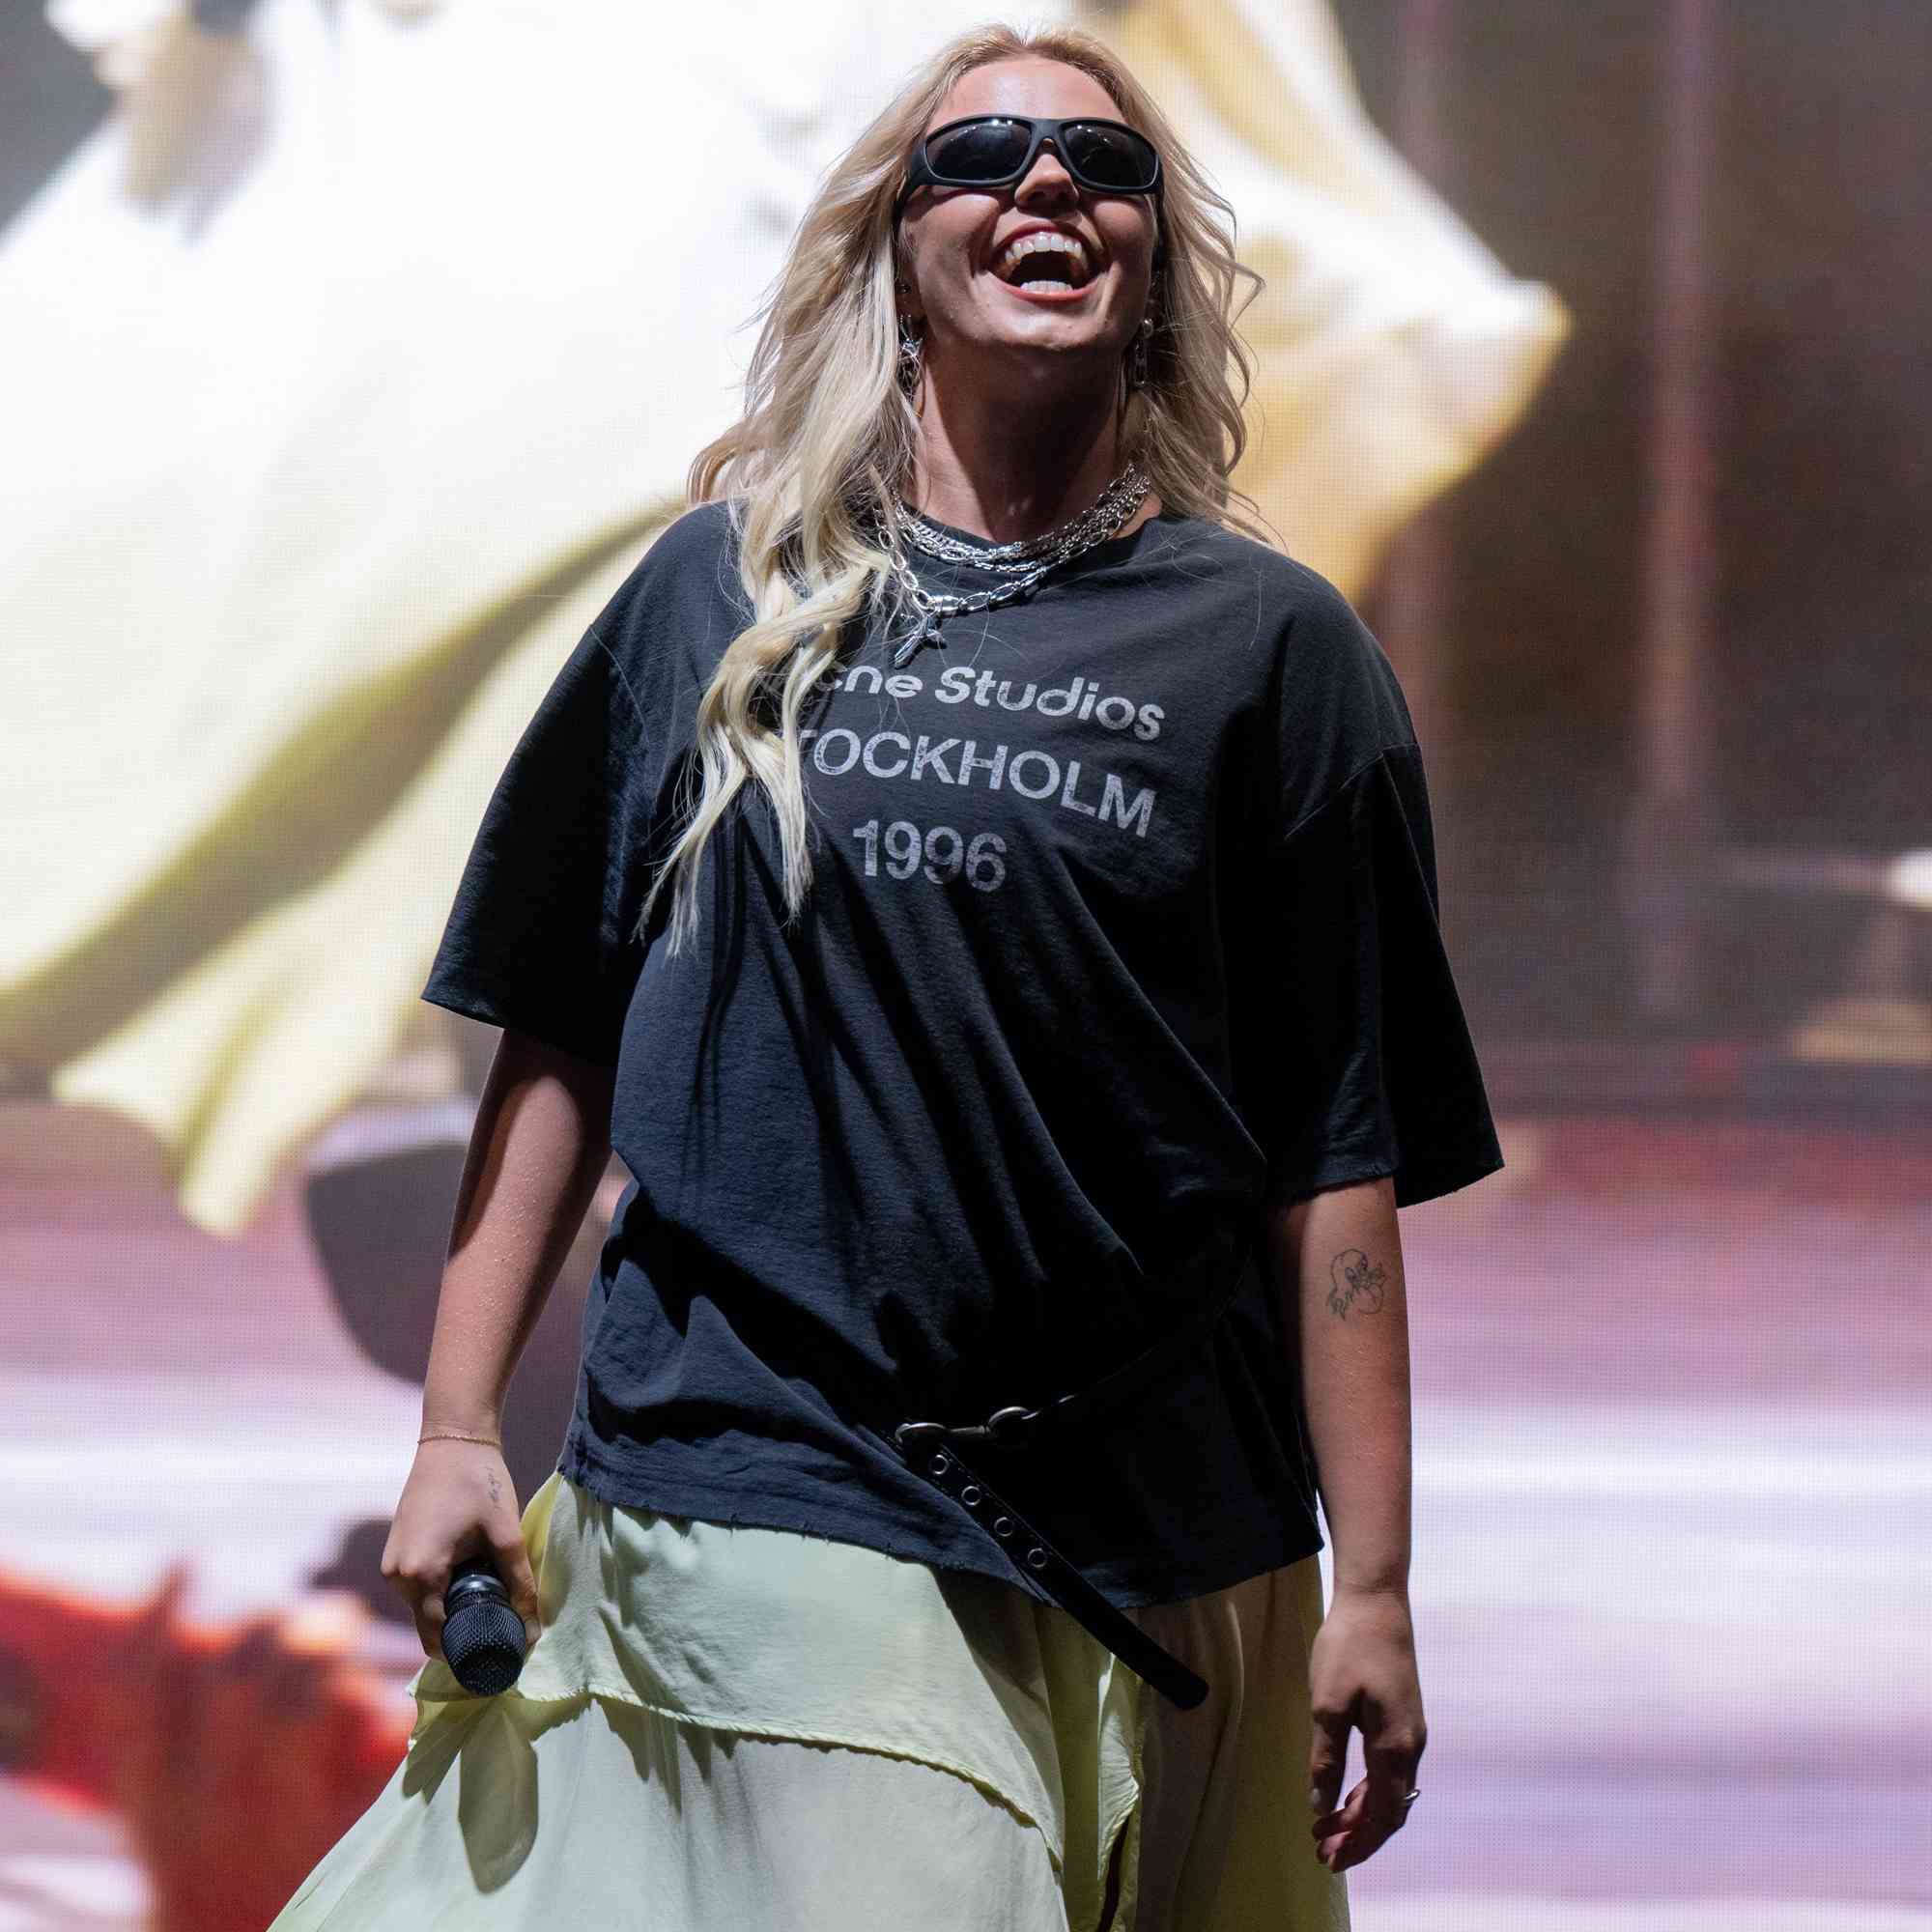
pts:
pixel 539 1146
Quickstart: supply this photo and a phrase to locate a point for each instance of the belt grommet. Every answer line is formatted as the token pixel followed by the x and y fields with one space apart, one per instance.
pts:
pixel 940 1464
pixel 969 1495
pixel 1002 1525
pixel 1036 1560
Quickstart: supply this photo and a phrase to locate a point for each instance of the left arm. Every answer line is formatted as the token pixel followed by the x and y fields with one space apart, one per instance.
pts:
pixel 1335 1262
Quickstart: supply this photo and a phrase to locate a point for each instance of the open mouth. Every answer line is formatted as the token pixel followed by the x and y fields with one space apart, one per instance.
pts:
pixel 1047 273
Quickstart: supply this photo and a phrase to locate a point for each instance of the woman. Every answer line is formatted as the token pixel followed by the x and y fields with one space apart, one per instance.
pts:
pixel 1013 983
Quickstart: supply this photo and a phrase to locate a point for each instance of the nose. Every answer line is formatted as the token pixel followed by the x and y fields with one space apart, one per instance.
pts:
pixel 1041 173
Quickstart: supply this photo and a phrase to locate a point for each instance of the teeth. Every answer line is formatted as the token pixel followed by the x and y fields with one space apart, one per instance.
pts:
pixel 1035 243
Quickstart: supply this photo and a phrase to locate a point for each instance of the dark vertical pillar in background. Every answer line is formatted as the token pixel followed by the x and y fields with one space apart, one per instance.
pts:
pixel 1684 604
pixel 1537 125
pixel 1671 835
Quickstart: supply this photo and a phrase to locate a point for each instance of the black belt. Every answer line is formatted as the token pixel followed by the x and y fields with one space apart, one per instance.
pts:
pixel 938 1453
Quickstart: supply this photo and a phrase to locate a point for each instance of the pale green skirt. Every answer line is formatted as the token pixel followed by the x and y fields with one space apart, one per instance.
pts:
pixel 723 1728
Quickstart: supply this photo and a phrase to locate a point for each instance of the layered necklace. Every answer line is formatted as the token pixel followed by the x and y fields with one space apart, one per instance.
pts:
pixel 1107 517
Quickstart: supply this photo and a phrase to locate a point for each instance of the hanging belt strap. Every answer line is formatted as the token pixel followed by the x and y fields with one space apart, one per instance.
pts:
pixel 940 1455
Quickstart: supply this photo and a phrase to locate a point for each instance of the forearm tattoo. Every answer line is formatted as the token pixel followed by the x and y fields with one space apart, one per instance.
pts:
pixel 1354 1281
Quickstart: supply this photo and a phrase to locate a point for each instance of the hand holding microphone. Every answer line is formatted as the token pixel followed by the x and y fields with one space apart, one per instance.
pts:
pixel 483 1639
pixel 479 1612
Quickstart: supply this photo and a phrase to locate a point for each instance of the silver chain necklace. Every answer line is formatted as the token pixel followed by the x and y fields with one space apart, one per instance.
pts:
pixel 1117 505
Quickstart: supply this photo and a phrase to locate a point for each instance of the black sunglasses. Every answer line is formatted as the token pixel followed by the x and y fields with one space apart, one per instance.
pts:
pixel 995 150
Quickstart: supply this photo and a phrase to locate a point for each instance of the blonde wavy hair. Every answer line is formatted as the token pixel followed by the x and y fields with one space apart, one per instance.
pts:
pixel 828 434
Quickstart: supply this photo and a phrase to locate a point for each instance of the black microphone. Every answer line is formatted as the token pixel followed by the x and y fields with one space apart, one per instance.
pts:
pixel 483 1639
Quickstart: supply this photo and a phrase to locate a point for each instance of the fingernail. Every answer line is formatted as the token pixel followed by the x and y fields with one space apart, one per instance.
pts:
pixel 532 1630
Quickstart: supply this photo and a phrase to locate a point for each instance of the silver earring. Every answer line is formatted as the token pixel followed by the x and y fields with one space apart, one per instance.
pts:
pixel 911 349
pixel 1137 366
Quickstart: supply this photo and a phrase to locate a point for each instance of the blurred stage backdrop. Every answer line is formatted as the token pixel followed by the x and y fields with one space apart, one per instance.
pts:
pixel 351 353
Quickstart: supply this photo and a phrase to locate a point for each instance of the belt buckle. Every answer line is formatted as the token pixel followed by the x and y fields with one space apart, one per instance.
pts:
pixel 1014 1416
pixel 1002 1429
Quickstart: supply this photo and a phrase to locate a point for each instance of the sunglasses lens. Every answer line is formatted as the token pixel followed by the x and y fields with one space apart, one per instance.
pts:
pixel 981 151
pixel 1113 157
pixel 990 150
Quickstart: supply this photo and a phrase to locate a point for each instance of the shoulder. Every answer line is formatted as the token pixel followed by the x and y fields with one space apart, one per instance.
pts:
pixel 1325 644
pixel 685 583
pixel 1295 594
pixel 1320 644
pixel 1334 705
pixel 1292 598
pixel 689 549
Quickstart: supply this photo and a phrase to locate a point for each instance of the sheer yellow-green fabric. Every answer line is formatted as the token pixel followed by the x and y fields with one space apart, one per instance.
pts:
pixel 729 1726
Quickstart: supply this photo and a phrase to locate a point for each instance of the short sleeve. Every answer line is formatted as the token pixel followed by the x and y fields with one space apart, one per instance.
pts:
pixel 1373 1071
pixel 540 935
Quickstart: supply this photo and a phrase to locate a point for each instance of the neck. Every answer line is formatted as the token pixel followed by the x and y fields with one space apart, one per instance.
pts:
pixel 1007 468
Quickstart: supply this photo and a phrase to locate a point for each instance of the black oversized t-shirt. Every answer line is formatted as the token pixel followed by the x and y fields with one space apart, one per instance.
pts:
pixel 1124 915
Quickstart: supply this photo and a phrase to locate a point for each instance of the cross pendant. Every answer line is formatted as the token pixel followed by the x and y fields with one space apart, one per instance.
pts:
pixel 929 628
